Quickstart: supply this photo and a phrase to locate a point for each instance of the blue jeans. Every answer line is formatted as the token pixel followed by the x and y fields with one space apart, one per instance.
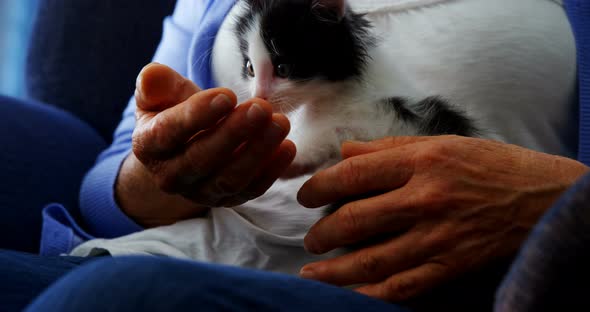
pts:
pixel 44 154
pixel 163 284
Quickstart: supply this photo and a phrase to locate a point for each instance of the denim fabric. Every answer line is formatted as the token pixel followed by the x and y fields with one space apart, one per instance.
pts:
pixel 579 14
pixel 150 284
pixel 45 152
pixel 24 276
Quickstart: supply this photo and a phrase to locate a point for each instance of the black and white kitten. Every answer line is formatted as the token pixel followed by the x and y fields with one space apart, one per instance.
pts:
pixel 322 64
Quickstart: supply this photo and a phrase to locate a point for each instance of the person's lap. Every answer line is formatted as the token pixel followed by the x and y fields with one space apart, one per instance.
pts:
pixel 24 276
pixel 44 156
pixel 143 283
pixel 136 283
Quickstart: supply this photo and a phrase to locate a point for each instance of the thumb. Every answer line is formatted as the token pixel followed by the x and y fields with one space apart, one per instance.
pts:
pixel 355 148
pixel 159 87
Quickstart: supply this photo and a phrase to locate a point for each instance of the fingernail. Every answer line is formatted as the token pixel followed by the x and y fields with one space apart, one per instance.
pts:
pixel 307 272
pixel 256 114
pixel 221 103
pixel 274 132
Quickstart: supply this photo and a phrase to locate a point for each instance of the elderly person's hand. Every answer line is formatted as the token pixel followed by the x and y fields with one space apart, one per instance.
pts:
pixel 195 149
pixel 427 209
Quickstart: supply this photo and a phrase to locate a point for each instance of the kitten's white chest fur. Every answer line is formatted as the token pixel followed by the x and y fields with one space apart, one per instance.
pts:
pixel 478 54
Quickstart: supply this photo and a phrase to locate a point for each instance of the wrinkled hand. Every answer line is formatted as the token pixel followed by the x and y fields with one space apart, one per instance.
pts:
pixel 194 149
pixel 446 205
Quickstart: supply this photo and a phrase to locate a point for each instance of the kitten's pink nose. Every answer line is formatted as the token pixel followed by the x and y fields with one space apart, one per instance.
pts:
pixel 263 90
pixel 264 80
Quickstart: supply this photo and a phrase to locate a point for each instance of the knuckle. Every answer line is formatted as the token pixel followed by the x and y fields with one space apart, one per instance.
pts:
pixel 149 138
pixel 438 192
pixel 432 156
pixel 158 132
pixel 433 197
pixel 165 181
pixel 351 172
pixel 170 181
pixel 350 221
pixel 236 136
pixel 228 185
pixel 198 160
pixel 431 193
pixel 402 288
pixel 369 264
pixel 193 108
pixel 203 197
pixel 139 144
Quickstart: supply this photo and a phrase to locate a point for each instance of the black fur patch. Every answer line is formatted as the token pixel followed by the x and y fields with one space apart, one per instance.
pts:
pixel 313 40
pixel 433 116
pixel 398 105
pixel 439 117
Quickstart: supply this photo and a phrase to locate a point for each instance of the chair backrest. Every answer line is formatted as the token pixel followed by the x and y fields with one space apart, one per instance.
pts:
pixel 84 55
pixel 579 14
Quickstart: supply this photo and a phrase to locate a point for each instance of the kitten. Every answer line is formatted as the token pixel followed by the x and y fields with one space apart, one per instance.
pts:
pixel 320 63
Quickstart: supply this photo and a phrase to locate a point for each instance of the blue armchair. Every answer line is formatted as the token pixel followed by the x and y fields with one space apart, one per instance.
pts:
pixel 85 54
pixel 83 59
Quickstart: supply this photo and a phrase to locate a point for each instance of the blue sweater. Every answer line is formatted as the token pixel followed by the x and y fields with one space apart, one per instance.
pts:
pixel 97 199
pixel 102 215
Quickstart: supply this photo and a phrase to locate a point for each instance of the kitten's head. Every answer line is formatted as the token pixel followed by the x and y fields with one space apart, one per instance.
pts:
pixel 294 51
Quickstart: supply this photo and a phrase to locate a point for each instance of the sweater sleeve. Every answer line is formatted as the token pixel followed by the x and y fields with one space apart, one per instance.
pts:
pixel 98 206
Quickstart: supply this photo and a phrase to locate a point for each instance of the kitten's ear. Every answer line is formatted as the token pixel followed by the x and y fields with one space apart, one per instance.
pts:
pixel 337 6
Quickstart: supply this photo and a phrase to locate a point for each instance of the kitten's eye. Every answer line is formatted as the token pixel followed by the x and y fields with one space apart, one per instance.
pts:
pixel 284 70
pixel 250 68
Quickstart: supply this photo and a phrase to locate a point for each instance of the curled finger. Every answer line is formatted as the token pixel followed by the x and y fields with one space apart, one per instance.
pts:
pixel 408 284
pixel 355 148
pixel 371 264
pixel 168 131
pixel 363 219
pixel 214 149
pixel 238 175
pixel 267 175
pixel 273 170
pixel 356 176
